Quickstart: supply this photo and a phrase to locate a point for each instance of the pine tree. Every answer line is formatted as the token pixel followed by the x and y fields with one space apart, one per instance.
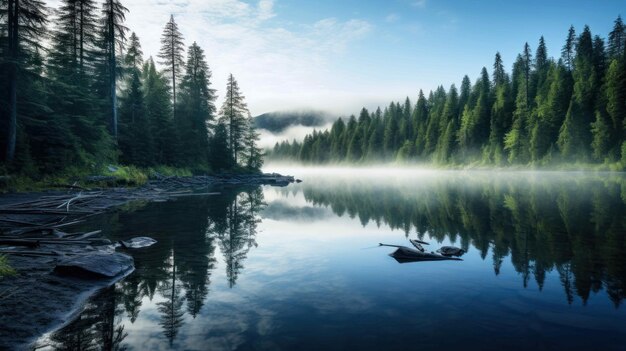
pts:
pixel 135 141
pixel 157 99
pixel 501 112
pixel 527 73
pixel 233 114
pixel 499 74
pixel 75 39
pixel 134 56
pixel 375 136
pixel 615 95
pixel 253 155
pixel 436 104
pixel 197 108
pixel 420 118
pixel 539 87
pixel 220 155
pixel 575 137
pixel 336 132
pixel 600 128
pixel 617 39
pixel 567 53
pixel 541 65
pixel 449 124
pixel 171 54
pixel 474 128
pixel 390 140
pixel 516 140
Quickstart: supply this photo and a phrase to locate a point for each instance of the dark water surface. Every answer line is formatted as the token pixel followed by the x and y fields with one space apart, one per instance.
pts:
pixel 296 268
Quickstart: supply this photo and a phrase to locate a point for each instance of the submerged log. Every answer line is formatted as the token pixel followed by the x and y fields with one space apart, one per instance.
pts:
pixel 406 254
pixel 418 244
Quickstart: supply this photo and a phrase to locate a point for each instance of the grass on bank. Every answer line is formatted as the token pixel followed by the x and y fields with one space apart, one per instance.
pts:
pixel 5 268
pixel 103 176
pixel 97 177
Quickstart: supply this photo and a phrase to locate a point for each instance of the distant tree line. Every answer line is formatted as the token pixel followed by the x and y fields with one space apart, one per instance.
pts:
pixel 80 94
pixel 568 110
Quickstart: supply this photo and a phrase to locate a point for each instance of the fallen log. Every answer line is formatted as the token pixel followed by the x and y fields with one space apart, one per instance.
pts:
pixel 78 236
pixel 35 242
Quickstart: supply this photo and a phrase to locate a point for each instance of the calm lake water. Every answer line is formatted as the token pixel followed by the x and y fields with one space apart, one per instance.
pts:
pixel 298 268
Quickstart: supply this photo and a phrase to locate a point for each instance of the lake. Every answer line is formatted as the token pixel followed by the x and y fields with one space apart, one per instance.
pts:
pixel 299 268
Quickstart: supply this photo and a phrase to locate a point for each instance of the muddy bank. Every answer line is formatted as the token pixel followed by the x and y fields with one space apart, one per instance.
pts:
pixel 36 229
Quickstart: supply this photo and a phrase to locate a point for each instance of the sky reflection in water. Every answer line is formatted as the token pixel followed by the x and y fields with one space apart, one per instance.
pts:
pixel 297 267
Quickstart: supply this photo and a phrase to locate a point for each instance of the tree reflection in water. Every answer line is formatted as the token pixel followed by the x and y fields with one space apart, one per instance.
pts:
pixel 573 224
pixel 97 328
pixel 176 271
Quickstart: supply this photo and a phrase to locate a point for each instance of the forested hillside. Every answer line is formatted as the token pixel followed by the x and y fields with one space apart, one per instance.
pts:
pixel 76 92
pixel 546 111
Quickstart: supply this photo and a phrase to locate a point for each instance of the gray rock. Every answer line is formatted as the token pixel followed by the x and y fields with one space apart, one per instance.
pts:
pixel 138 242
pixel 95 265
pixel 451 251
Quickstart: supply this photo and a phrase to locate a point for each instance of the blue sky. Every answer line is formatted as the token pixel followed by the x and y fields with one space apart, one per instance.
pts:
pixel 339 55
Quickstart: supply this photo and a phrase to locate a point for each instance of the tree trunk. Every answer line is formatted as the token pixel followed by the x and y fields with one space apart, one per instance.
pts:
pixel 13 25
pixel 112 67
pixel 82 39
pixel 173 71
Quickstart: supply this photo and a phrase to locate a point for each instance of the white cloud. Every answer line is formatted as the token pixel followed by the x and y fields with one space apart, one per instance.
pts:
pixel 271 59
pixel 266 8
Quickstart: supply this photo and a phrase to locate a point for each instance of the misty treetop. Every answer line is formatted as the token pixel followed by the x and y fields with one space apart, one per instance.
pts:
pixel 79 94
pixel 568 109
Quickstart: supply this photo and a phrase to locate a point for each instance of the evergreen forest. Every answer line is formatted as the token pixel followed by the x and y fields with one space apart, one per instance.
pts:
pixel 547 111
pixel 77 94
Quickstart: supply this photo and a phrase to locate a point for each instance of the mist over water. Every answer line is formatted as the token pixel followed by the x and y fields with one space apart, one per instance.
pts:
pixel 299 268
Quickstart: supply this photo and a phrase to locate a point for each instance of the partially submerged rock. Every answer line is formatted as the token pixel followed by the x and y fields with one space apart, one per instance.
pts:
pixel 451 251
pixel 138 242
pixel 95 265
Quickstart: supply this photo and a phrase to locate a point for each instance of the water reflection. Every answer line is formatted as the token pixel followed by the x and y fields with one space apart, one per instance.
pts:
pixel 208 283
pixel 176 272
pixel 97 327
pixel 572 223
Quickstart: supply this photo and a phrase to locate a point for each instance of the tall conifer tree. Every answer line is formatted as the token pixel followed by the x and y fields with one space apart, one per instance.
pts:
pixel 197 108
pixel 233 114
pixel 171 54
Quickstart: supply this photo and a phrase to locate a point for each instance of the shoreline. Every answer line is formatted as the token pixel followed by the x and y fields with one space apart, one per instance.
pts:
pixel 566 167
pixel 36 293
